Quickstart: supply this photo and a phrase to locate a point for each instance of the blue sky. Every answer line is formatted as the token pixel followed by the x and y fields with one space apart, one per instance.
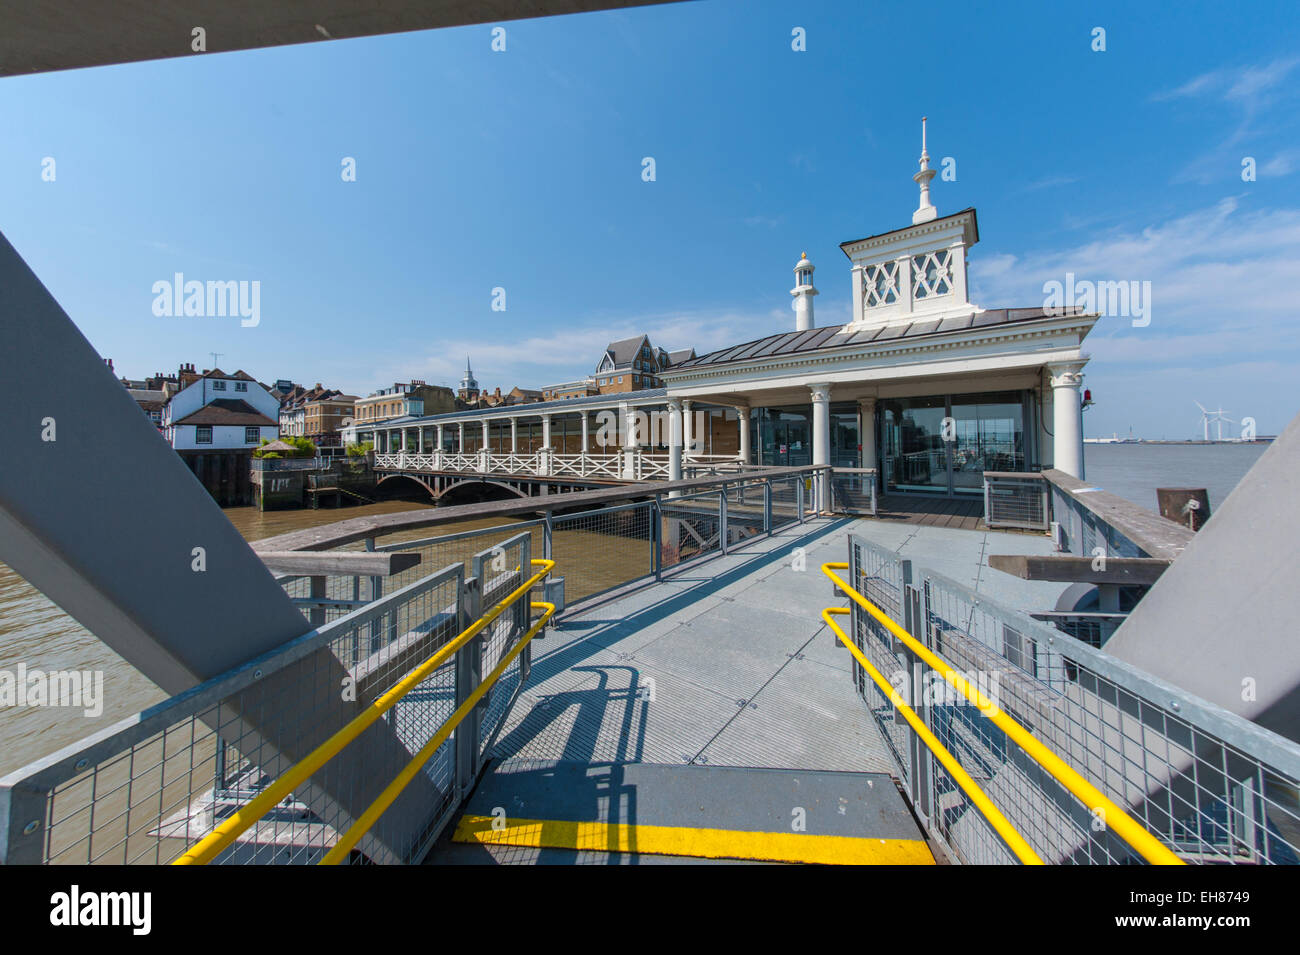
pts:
pixel 522 170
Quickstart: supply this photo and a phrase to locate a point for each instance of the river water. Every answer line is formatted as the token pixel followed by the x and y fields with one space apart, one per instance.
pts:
pixel 35 632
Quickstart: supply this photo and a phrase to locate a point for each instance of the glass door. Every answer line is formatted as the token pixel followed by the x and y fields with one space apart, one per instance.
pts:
pixel 916 456
pixel 989 436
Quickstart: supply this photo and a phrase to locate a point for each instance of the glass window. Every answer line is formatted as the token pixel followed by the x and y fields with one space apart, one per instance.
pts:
pixel 203 434
pixel 241 386
pixel 252 435
pixel 218 386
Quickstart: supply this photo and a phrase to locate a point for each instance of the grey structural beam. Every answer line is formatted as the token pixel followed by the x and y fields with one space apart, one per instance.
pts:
pixel 1071 569
pixel 100 514
pixel 1220 623
pixel 69 34
pixel 339 563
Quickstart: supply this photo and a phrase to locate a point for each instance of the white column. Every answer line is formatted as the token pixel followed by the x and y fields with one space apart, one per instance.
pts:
pixel 514 435
pixel 486 451
pixel 544 467
pixel 441 436
pixel 629 443
pixel 742 422
pixel 460 427
pixel 688 428
pixel 674 442
pixel 585 427
pixel 821 427
pixel 1067 442
pixel 867 435
pixel 419 439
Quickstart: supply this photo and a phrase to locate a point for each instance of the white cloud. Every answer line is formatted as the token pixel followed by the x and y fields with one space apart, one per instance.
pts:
pixel 1223 285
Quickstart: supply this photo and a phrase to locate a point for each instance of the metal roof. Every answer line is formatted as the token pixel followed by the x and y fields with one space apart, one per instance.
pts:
pixel 824 339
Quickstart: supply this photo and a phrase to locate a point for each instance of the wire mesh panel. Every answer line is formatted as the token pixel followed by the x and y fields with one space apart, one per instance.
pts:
pixel 147 789
pixel 692 527
pixel 786 501
pixel 458 548
pixel 853 491
pixel 1161 756
pixel 746 511
pixel 1015 500
pixel 604 549
pixel 502 569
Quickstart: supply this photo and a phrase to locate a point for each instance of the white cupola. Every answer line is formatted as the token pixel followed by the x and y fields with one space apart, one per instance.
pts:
pixel 803 293
pixel 917 272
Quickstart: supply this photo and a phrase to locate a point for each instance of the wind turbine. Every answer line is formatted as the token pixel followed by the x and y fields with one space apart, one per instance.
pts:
pixel 1220 417
pixel 1205 421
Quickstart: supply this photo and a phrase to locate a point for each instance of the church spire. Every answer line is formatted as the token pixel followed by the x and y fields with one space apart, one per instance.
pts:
pixel 925 211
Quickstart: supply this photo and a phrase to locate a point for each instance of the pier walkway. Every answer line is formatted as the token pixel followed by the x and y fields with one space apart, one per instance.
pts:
pixel 724 665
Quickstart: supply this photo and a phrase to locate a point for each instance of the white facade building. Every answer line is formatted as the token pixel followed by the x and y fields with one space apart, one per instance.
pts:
pixel 919 389
pixel 221 412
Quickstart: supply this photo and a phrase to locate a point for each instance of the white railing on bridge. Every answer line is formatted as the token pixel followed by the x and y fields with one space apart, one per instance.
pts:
pixel 628 464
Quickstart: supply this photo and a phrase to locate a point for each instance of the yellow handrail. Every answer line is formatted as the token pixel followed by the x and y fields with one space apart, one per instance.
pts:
pixel 1015 842
pixel 207 848
pixel 1124 825
pixel 394 789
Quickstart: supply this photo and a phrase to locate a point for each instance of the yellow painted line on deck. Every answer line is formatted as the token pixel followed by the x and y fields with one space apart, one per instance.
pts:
pixel 697 843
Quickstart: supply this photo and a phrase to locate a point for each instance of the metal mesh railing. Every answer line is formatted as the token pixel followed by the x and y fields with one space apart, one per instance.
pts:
pixel 145 791
pixel 1015 500
pixel 1209 785
pixel 853 491
pixel 605 548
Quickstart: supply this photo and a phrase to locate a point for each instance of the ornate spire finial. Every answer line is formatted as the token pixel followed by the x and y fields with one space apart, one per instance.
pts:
pixel 925 211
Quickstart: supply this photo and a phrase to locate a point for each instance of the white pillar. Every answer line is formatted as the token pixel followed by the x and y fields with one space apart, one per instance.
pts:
pixel 514 435
pixel 584 432
pixel 1067 442
pixel 629 444
pixel 688 429
pixel 742 422
pixel 441 436
pixel 545 457
pixel 674 442
pixel 460 427
pixel 821 427
pixel 867 434
pixel 419 439
pixel 485 453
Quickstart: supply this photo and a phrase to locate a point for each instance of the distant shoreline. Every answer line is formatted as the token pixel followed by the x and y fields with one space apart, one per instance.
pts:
pixel 1262 439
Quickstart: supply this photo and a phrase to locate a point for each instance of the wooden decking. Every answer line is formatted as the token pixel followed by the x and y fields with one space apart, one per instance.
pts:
pixel 962 513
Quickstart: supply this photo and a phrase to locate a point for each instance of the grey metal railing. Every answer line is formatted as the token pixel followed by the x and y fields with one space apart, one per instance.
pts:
pixel 853 491
pixel 1013 499
pixel 1212 786
pixel 146 789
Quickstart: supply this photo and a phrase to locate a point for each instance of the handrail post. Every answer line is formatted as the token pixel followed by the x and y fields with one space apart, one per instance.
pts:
pixel 798 497
pixel 910 599
pixel 722 520
pixel 469 671
pixel 656 537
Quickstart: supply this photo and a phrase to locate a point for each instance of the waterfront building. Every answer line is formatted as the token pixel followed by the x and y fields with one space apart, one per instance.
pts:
pixel 325 416
pixel 386 404
pixel 217 412
pixel 918 384
pixel 633 364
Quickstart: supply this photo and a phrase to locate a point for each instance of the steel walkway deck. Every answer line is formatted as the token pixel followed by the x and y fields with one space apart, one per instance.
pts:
pixel 723 665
